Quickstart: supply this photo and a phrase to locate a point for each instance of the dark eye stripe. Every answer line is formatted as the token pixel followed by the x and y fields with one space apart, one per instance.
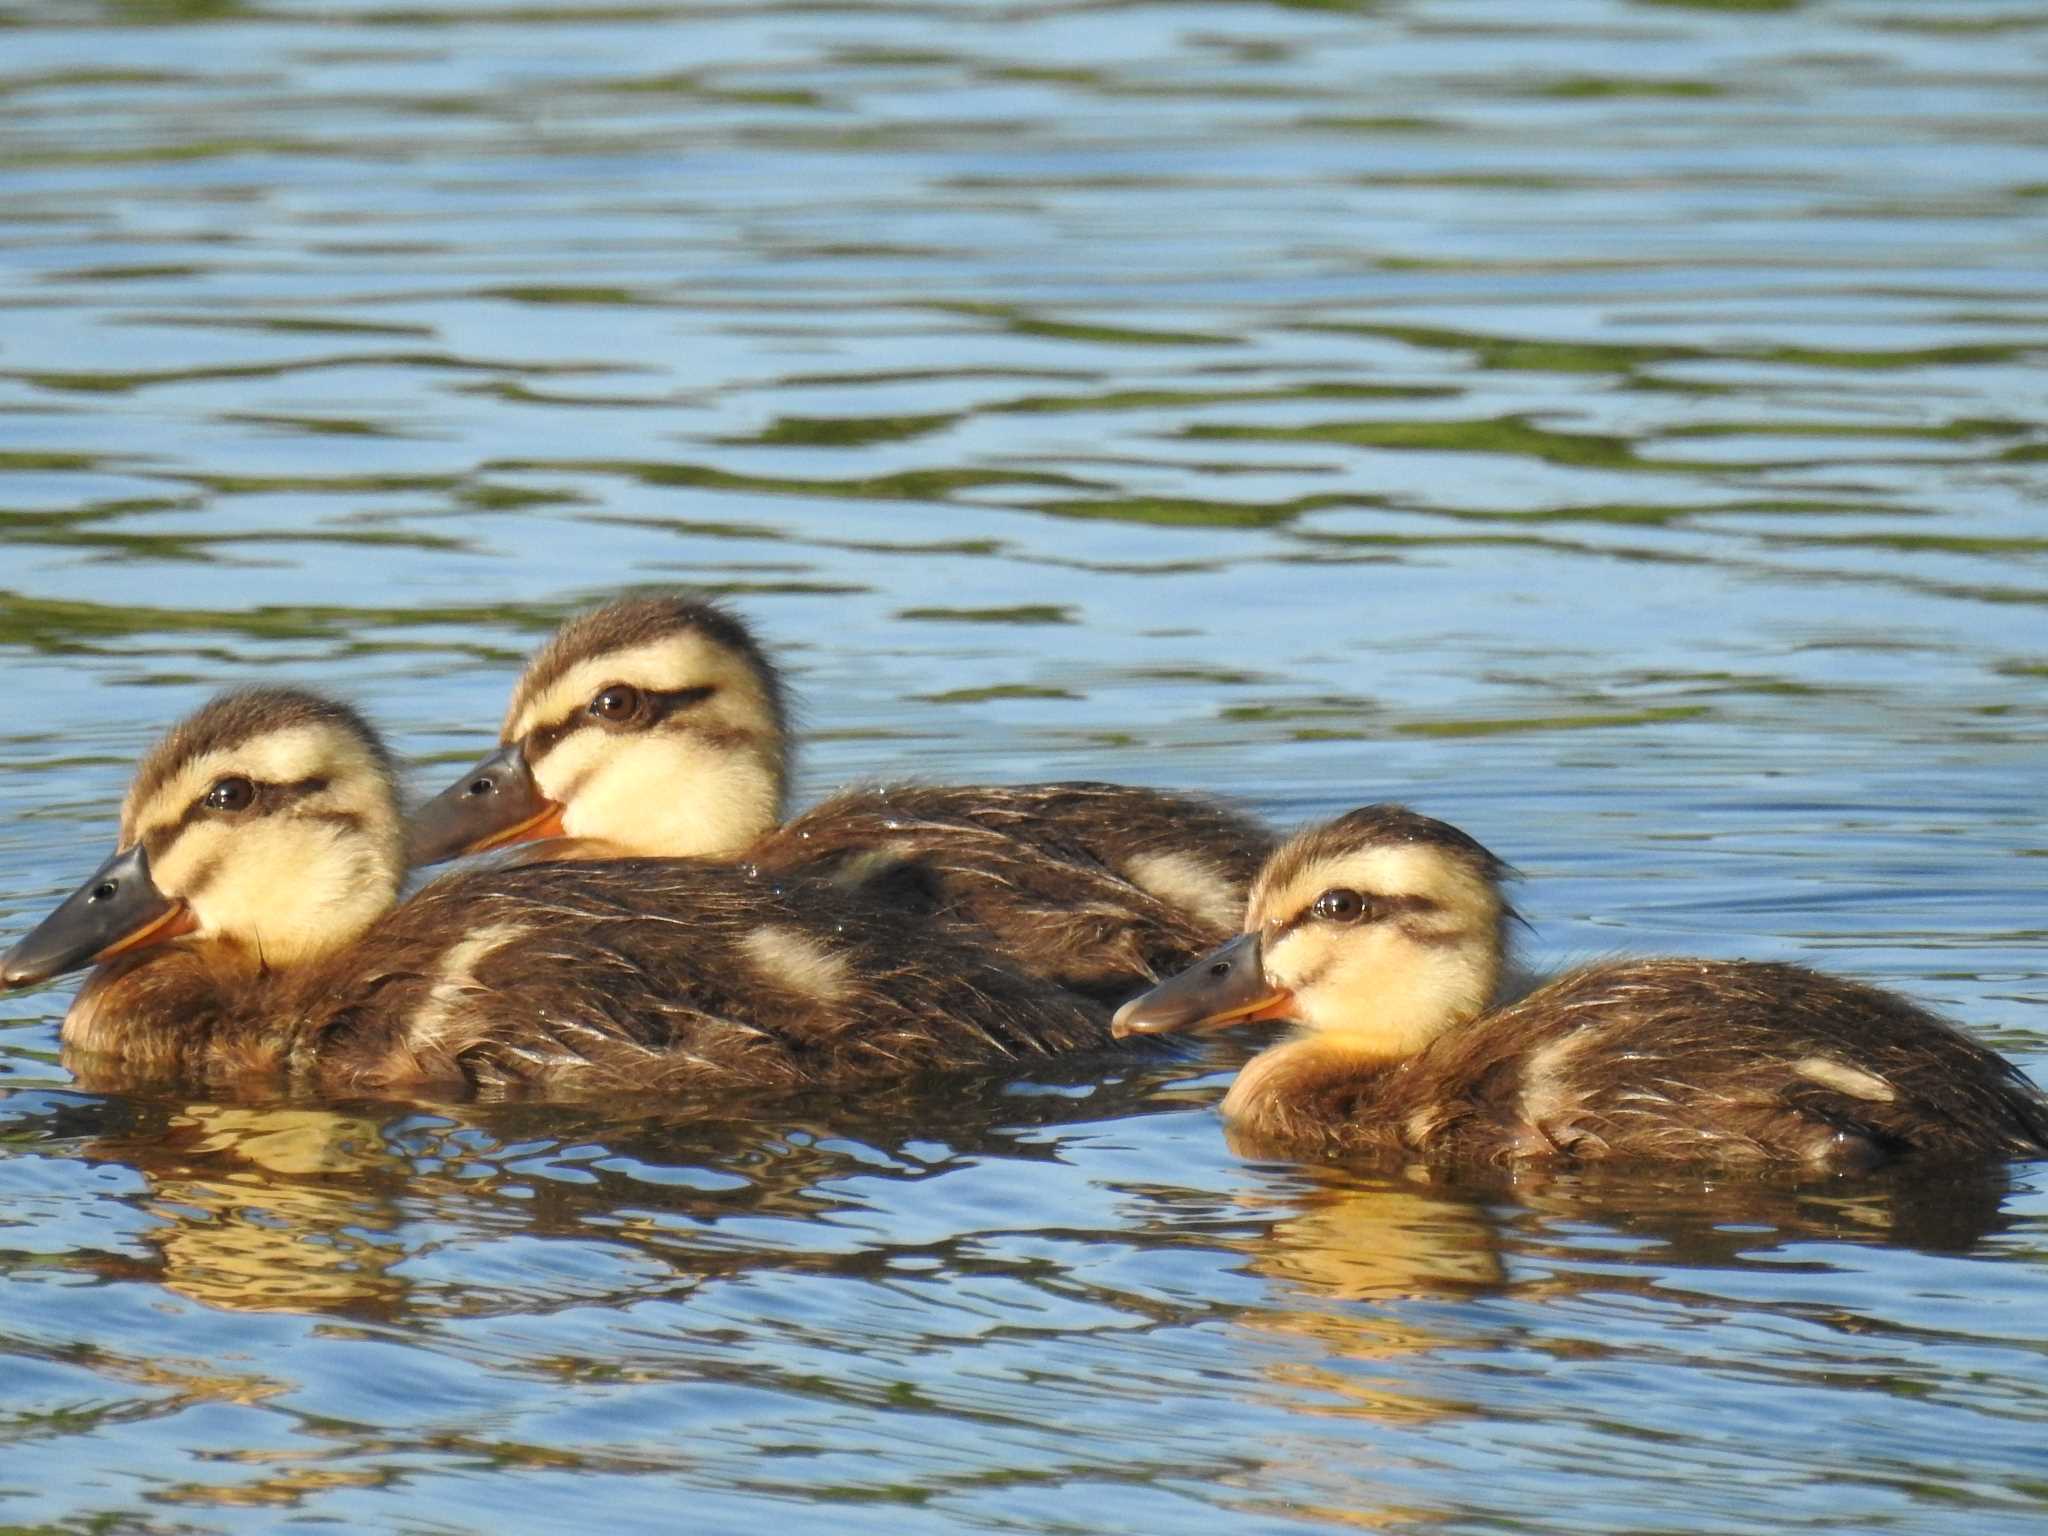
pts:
pixel 268 798
pixel 1433 938
pixel 1379 909
pixel 661 702
pixel 353 820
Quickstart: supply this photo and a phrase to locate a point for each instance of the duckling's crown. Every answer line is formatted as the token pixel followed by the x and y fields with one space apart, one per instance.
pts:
pixel 236 718
pixel 633 622
pixel 1369 827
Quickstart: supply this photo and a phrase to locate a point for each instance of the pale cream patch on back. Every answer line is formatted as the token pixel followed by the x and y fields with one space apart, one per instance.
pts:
pixel 799 963
pixel 1548 1095
pixel 432 1028
pixel 1843 1078
pixel 1421 1125
pixel 1189 883
pixel 871 864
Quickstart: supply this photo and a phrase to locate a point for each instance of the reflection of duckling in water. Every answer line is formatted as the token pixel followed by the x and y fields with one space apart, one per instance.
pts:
pixel 1382 934
pixel 658 726
pixel 272 1208
pixel 245 932
pixel 1363 1235
pixel 1346 1257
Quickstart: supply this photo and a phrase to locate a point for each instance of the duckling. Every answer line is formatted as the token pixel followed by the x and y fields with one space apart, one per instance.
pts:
pixel 245 931
pixel 658 725
pixel 1381 934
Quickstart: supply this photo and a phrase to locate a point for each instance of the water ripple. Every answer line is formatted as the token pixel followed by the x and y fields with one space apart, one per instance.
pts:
pixel 1617 429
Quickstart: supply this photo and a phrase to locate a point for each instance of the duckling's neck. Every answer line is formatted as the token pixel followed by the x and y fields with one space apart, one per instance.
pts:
pixel 193 1011
pixel 1449 985
pixel 1288 1093
pixel 1313 1089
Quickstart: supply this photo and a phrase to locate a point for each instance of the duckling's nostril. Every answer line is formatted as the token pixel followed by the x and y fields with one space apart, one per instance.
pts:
pixel 1220 969
pixel 481 786
pixel 104 891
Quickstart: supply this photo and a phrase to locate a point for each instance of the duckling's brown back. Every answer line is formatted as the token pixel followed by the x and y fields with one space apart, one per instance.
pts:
pixel 1098 887
pixel 1191 851
pixel 648 974
pixel 1714 1062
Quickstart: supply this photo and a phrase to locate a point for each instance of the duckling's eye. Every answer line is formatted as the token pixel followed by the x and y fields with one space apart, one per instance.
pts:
pixel 1340 906
pixel 620 701
pixel 233 793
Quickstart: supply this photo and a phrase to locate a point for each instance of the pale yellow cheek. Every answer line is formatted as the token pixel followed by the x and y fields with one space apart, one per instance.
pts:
pixel 566 773
pixel 200 852
pixel 671 795
pixel 292 890
pixel 1379 986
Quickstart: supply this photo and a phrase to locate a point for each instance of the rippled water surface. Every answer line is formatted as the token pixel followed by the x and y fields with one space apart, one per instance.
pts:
pixel 1616 427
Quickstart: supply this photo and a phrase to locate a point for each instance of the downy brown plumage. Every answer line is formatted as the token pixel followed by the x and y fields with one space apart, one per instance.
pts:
pixel 1382 933
pixel 657 725
pixel 245 932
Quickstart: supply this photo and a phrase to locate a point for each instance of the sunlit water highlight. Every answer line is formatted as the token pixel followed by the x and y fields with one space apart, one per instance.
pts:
pixel 1615 427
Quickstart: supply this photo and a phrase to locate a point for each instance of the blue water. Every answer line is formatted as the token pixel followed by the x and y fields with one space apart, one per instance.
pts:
pixel 1619 428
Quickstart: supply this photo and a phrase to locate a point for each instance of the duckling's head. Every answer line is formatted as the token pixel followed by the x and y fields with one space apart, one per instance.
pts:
pixel 1383 927
pixel 264 828
pixel 655 724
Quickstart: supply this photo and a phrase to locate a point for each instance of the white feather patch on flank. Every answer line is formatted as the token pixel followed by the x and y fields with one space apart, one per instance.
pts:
pixel 455 979
pixel 1843 1078
pixel 1547 1092
pixel 1192 884
pixel 799 963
